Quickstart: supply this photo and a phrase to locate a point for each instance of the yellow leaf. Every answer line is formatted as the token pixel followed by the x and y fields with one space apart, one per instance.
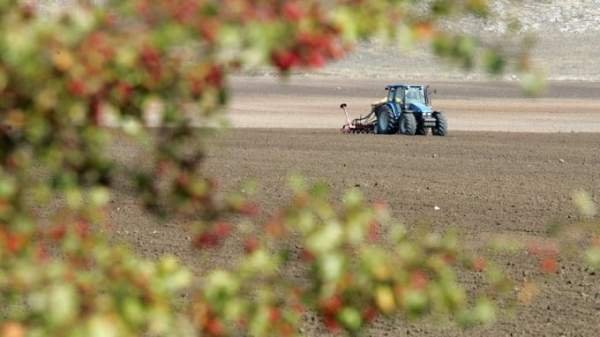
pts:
pixel 384 297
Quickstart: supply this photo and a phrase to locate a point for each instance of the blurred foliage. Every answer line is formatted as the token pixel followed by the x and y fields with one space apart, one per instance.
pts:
pixel 66 77
pixel 357 268
pixel 589 229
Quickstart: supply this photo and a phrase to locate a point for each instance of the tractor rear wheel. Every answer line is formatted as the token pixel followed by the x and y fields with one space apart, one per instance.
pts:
pixel 386 123
pixel 441 124
pixel 408 124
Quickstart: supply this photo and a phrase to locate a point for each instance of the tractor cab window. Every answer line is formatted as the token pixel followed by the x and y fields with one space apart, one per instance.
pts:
pixel 391 95
pixel 395 96
pixel 415 95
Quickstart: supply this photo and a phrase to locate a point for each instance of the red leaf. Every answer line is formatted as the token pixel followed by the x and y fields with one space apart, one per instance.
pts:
pixel 206 240
pixel 332 305
pixel 13 242
pixel 331 323
pixel 214 77
pixel 274 315
pixel 291 11
pixel 479 264
pixel 315 59
pixel 307 256
pixel 251 245
pixel 369 314
pixel 77 88
pixel 208 29
pixel 274 227
pixel 124 90
pixel 184 11
pixel 249 209
pixel 214 327
pixel 285 60
pixel 82 228
pixel 549 265
pixel 418 279
pixel 151 59
pixel 222 230
pixel 373 232
pixel 57 233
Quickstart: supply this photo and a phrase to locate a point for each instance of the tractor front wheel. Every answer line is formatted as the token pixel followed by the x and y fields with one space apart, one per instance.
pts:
pixel 441 124
pixel 408 124
pixel 421 129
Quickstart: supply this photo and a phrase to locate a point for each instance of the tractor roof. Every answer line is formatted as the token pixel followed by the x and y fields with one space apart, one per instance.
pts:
pixel 404 86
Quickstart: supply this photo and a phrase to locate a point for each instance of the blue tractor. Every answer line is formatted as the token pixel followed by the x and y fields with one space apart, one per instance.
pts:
pixel 406 110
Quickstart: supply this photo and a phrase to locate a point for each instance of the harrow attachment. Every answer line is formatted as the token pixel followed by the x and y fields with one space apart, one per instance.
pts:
pixel 364 124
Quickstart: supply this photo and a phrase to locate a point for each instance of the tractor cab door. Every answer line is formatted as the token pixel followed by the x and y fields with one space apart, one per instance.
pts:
pixel 396 99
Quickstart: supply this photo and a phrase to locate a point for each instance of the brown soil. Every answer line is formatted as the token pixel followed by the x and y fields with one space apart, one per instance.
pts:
pixel 484 183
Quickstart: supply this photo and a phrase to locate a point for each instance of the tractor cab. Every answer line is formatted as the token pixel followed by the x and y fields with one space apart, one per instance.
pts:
pixel 414 98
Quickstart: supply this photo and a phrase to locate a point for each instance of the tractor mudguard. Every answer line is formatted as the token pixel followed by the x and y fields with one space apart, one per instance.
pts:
pixel 395 109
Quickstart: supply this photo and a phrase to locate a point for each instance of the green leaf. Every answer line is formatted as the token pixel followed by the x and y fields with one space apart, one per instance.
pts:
pixel 331 267
pixel 326 239
pixel 100 326
pixel 63 304
pixel 350 318
pixel 592 257
pixel 585 204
